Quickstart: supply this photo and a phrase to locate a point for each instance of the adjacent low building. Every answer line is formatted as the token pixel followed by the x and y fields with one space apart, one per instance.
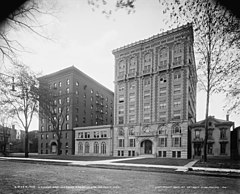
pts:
pixel 219 139
pixel 94 140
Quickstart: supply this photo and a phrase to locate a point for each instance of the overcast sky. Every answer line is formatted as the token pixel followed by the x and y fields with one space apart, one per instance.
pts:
pixel 85 39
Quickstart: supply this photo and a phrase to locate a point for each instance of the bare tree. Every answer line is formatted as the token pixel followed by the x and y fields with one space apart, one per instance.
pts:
pixel 25 17
pixel 24 100
pixel 54 108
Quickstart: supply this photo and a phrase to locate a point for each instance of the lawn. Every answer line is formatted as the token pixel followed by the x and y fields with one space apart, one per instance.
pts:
pixel 219 163
pixel 67 157
pixel 159 161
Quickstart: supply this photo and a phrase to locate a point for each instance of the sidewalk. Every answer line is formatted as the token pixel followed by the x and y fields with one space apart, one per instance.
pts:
pixel 188 168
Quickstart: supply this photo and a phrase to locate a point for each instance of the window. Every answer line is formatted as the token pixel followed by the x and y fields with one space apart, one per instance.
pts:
pixel 76 118
pixel 96 148
pixel 162 130
pixel 146 94
pixel 60 84
pixel 132 85
pixel 146 107
pixel 177 89
pixel 121 99
pixel 147 82
pixel 121 143
pixel 67 82
pixel 67 90
pixel 146 118
pixel 162 142
pixel 87 135
pixel 80 147
pixel 131 118
pixel 103 148
pixel 68 100
pixel 176 141
pixel 162 64
pixel 223 148
pixel 176 129
pixel 121 110
pixel 131 97
pixel 67 126
pixel 197 134
pixel 174 154
pixel 121 88
pixel 179 154
pixel 120 120
pixel 178 48
pixel 131 131
pixel 162 116
pixel 67 109
pixel 163 91
pixel 163 104
pixel 80 134
pixel 131 142
pixel 177 60
pixel 77 83
pixel 54 85
pixel 131 108
pixel 120 132
pixel 91 91
pixel 163 53
pixel 96 134
pixel 177 114
pixel 67 117
pixel 103 134
pixel 177 75
pixel 66 145
pixel 87 147
pixel 223 133
pixel 177 102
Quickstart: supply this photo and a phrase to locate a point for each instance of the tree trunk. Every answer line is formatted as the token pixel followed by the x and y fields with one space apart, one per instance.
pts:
pixel 59 146
pixel 206 129
pixel 26 143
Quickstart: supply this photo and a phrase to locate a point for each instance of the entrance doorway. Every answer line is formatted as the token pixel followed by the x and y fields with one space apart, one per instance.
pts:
pixel 197 149
pixel 146 147
pixel 54 147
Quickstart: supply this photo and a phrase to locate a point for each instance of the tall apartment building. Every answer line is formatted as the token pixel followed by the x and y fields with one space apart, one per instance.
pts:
pixel 88 103
pixel 155 95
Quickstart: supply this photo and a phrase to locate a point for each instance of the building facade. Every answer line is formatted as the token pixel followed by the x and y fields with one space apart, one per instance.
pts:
pixel 85 102
pixel 235 143
pixel 94 140
pixel 218 141
pixel 155 95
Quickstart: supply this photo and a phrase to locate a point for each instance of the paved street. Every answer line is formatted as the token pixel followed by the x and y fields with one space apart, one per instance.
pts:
pixel 19 177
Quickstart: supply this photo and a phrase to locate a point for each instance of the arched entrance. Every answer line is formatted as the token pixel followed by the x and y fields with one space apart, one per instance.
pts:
pixel 146 147
pixel 54 147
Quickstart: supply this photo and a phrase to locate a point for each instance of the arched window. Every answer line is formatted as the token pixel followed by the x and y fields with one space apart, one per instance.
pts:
pixel 131 131
pixel 147 62
pixel 96 148
pixel 80 147
pixel 177 48
pixel 87 147
pixel 163 58
pixel 162 129
pixel 120 132
pixel 103 148
pixel 132 66
pixel 176 129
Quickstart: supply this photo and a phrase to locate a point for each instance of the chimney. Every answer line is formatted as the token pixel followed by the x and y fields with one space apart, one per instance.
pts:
pixel 227 117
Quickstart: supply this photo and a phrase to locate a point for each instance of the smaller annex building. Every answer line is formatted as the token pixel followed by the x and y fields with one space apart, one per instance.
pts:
pixel 219 138
pixel 94 140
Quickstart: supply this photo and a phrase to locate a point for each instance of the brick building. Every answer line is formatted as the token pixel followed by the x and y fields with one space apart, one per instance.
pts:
pixel 155 95
pixel 87 103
